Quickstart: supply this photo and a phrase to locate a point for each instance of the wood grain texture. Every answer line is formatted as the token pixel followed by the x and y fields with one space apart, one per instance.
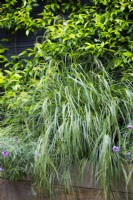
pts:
pixel 15 190
pixel 81 189
pixel 21 190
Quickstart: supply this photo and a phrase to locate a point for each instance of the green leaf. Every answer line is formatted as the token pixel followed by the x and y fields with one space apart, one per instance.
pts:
pixel 27 32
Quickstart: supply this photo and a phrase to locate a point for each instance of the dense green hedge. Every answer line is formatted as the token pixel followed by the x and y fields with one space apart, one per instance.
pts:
pixel 102 29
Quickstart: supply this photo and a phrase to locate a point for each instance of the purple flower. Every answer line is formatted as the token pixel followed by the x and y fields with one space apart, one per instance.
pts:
pixel 1 169
pixel 116 149
pixel 5 153
pixel 130 126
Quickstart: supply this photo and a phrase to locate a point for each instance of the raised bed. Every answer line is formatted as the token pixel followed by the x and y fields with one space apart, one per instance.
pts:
pixel 21 190
pixel 84 189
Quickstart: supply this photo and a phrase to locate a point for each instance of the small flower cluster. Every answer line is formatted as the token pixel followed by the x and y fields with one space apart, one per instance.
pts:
pixel 130 126
pixel 116 149
pixel 1 169
pixel 4 153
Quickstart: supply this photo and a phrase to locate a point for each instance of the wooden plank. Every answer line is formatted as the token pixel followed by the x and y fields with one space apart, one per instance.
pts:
pixel 82 189
pixel 88 194
pixel 21 190
pixel 87 180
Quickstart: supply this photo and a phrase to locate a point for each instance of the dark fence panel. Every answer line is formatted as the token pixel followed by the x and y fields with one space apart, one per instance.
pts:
pixel 19 41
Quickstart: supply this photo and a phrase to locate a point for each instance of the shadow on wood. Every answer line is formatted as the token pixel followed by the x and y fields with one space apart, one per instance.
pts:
pixel 21 190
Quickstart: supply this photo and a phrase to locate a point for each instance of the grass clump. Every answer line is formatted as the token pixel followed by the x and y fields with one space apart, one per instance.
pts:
pixel 71 117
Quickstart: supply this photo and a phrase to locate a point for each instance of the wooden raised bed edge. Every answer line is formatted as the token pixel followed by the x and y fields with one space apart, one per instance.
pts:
pixel 21 190
pixel 84 189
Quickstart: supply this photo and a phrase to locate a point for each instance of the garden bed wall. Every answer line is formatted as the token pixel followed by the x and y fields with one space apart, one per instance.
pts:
pixel 84 189
pixel 21 190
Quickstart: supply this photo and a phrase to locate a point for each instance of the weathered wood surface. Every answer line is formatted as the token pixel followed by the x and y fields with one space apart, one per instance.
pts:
pixel 89 194
pixel 82 189
pixel 21 190
pixel 15 191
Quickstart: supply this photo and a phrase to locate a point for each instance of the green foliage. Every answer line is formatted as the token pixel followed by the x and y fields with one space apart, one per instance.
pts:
pixel 19 164
pixel 100 30
pixel 69 99
pixel 3 58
